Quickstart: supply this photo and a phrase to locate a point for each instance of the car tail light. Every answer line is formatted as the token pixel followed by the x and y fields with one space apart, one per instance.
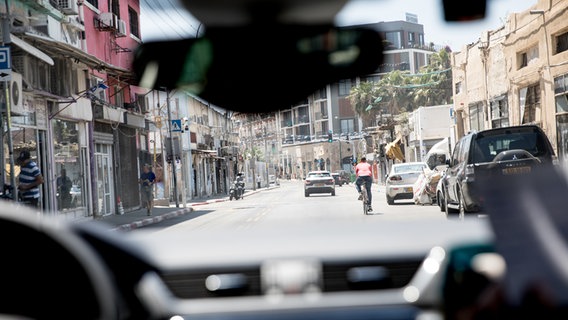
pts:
pixel 395 178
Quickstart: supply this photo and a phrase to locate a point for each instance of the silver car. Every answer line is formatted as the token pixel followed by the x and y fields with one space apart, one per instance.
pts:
pixel 401 179
pixel 319 182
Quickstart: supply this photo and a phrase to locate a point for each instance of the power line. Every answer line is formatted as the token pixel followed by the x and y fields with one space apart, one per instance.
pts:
pixel 157 11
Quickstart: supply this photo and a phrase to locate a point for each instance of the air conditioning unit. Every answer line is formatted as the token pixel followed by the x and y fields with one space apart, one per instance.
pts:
pixel 69 7
pixel 16 96
pixel 121 30
pixel 107 21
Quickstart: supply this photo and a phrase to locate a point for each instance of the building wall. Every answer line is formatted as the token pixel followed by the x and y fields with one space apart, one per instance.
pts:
pixel 503 72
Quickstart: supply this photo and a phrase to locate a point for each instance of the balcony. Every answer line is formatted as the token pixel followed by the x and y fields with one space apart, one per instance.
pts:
pixel 134 120
pixel 108 114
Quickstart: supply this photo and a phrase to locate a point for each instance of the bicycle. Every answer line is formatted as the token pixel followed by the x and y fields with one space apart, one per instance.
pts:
pixel 365 198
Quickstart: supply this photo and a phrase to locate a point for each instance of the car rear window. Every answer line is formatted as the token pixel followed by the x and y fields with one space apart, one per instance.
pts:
pixel 487 147
pixel 409 168
pixel 319 174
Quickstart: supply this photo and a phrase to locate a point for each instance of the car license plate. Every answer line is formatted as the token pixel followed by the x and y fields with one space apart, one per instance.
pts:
pixel 319 184
pixel 407 189
pixel 516 170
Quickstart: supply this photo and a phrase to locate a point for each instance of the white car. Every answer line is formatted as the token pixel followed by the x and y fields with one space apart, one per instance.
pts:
pixel 401 179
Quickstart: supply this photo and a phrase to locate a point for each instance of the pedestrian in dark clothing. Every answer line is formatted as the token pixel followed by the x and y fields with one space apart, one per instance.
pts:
pixel 147 179
pixel 64 185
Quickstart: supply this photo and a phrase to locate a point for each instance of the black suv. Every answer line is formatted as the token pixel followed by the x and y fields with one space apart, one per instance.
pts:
pixel 484 155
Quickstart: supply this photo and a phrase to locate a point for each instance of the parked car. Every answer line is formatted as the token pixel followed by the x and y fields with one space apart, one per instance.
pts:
pixel 440 201
pixel 345 176
pixel 319 182
pixel 506 151
pixel 400 180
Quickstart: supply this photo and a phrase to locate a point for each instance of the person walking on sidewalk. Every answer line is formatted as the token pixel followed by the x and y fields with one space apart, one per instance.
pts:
pixel 364 173
pixel 147 179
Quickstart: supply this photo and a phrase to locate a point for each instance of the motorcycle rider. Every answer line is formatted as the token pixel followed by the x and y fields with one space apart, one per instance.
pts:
pixel 240 184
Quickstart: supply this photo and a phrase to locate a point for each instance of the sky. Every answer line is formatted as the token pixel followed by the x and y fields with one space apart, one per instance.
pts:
pixel 159 22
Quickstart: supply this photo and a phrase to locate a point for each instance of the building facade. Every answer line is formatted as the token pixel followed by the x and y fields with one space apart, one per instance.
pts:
pixel 73 102
pixel 516 75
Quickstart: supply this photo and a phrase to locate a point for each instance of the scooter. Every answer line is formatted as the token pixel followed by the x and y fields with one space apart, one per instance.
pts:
pixel 236 191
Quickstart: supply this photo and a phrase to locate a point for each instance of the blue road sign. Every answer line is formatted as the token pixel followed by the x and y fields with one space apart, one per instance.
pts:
pixel 176 125
pixel 5 63
pixel 5 57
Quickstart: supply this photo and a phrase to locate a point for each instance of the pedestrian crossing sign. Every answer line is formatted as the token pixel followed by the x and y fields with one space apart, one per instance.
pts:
pixel 176 125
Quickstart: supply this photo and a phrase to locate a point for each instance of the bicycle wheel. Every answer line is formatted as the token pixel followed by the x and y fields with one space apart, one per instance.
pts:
pixel 365 206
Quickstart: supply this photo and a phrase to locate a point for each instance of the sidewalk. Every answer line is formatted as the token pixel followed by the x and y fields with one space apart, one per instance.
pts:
pixel 138 218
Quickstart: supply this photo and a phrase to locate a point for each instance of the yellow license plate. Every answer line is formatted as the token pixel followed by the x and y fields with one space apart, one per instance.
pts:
pixel 407 189
pixel 516 170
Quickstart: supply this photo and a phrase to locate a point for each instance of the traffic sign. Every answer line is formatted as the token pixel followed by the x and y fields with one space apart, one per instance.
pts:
pixel 176 125
pixel 5 63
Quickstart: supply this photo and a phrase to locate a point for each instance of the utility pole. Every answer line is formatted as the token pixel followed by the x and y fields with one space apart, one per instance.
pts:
pixel 6 41
pixel 172 147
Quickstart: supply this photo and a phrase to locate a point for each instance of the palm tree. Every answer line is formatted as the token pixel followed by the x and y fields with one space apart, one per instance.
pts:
pixel 363 99
pixel 398 91
pixel 434 83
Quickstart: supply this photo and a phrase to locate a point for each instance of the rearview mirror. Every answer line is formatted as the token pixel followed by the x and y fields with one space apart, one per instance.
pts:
pixel 259 69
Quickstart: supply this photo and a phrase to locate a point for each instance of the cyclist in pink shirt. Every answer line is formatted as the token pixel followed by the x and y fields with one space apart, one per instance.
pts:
pixel 364 173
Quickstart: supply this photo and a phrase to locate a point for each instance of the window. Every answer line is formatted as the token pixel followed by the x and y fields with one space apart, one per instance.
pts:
pixel 529 101
pixel 476 117
pixel 458 87
pixel 561 93
pixel 499 113
pixel 67 156
pixel 347 125
pixel 394 38
pixel 562 42
pixel 94 3
pixel 320 94
pixel 118 98
pixel 345 87
pixel 133 21
pixel 527 57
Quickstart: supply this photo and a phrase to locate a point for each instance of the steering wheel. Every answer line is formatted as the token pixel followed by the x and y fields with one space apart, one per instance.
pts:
pixel 48 272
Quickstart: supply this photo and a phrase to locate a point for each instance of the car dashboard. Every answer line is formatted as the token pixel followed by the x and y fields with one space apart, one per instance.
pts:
pixel 293 272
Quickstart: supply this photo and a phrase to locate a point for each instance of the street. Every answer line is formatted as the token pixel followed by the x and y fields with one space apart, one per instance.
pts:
pixel 287 204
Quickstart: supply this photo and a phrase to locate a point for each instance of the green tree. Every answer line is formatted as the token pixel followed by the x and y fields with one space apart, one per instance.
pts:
pixel 434 83
pixel 364 99
pixel 399 91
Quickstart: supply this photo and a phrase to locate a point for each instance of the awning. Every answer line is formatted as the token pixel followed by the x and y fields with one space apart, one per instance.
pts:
pixel 31 49
pixel 393 150
pixel 62 48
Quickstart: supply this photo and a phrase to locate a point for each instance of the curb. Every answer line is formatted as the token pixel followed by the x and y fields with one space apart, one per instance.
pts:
pixel 151 220
pixel 156 219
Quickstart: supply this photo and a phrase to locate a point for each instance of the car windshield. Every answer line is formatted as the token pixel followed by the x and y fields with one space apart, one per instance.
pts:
pixel 201 136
